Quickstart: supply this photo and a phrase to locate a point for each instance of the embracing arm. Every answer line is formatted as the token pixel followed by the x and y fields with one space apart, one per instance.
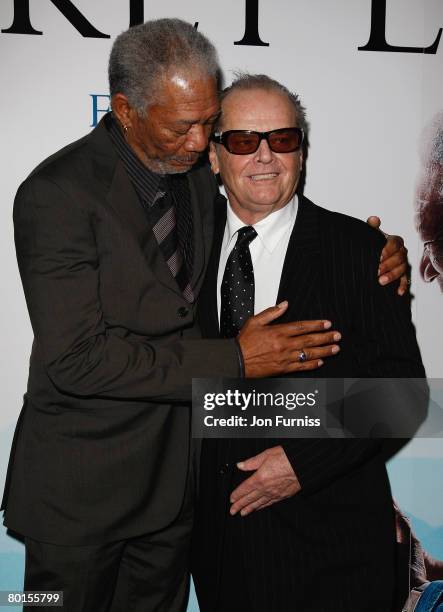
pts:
pixel 393 263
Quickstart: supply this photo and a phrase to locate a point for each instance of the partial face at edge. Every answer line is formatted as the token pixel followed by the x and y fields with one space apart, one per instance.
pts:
pixel 429 223
pixel 429 201
pixel 262 182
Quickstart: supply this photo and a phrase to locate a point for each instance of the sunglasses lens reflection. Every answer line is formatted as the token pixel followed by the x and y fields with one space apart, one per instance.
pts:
pixel 284 141
pixel 240 142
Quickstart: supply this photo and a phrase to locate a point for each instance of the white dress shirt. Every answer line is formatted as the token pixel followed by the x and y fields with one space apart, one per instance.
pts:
pixel 268 251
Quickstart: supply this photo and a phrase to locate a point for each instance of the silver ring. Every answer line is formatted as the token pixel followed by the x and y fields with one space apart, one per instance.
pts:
pixel 302 356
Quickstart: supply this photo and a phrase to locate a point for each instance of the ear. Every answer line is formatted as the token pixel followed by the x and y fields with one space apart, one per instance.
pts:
pixel 122 109
pixel 213 158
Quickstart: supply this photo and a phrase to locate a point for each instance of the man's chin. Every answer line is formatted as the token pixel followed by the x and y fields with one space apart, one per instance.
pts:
pixel 172 165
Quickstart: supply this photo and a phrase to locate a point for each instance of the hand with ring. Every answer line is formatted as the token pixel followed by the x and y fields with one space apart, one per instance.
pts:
pixel 269 350
pixel 302 356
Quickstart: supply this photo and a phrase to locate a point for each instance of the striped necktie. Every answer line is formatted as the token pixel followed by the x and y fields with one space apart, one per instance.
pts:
pixel 164 226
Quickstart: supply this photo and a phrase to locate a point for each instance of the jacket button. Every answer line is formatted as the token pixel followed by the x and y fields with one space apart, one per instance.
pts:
pixel 182 311
pixel 223 469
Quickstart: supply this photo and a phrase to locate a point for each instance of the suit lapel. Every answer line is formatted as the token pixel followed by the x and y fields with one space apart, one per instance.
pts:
pixel 301 268
pixel 202 219
pixel 208 297
pixel 124 201
pixel 300 274
pixel 121 195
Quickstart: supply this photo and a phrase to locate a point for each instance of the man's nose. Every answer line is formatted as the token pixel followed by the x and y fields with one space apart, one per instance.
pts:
pixel 197 138
pixel 263 153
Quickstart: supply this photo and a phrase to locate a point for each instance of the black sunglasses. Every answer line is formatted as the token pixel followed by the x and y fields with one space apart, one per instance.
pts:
pixel 244 142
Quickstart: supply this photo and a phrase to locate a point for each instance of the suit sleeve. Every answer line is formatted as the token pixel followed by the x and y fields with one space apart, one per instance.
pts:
pixel 385 346
pixel 60 271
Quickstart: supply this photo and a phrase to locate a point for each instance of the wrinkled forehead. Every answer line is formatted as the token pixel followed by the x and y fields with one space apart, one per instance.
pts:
pixel 185 89
pixel 257 109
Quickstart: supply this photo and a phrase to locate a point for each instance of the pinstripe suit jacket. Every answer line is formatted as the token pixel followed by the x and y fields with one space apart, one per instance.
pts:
pixel 320 549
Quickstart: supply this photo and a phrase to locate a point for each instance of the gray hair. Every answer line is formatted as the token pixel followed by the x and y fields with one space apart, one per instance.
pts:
pixel 244 81
pixel 142 56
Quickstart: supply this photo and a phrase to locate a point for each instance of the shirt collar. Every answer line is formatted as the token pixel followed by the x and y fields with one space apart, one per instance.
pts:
pixel 148 184
pixel 270 230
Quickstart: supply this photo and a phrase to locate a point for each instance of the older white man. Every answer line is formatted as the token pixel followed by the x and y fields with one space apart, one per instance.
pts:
pixel 302 525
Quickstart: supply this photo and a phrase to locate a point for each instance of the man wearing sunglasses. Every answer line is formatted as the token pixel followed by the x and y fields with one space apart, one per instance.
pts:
pixel 294 524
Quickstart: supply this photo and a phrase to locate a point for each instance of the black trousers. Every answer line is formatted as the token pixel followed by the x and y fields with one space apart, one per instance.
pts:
pixel 149 573
pixel 280 559
pixel 233 594
pixel 237 593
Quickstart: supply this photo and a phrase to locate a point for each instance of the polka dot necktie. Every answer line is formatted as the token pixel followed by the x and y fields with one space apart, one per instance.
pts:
pixel 237 287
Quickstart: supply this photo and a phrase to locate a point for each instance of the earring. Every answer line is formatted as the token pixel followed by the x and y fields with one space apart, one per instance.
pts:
pixel 125 129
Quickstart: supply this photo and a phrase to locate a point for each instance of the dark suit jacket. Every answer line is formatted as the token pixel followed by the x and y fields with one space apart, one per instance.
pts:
pixel 331 546
pixel 101 450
